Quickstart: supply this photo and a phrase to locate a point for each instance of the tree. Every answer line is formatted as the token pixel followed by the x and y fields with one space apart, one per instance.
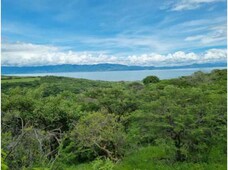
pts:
pixel 150 79
pixel 184 116
pixel 101 134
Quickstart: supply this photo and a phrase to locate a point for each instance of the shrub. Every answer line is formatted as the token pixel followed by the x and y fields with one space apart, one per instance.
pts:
pixel 150 79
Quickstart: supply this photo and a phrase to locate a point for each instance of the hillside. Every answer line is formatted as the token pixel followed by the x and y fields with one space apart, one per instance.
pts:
pixel 76 124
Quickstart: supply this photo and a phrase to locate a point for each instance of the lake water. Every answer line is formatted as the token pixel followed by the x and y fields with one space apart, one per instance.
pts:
pixel 127 75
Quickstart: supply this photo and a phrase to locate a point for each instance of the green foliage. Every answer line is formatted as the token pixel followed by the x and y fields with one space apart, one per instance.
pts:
pixel 65 123
pixel 19 79
pixel 103 134
pixel 3 163
pixel 156 157
pixel 150 79
pixel 183 116
pixel 100 164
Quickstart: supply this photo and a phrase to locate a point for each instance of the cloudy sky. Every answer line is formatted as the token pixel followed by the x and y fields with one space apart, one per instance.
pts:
pixel 132 32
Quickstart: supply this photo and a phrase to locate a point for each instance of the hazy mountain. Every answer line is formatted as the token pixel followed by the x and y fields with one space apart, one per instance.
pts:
pixel 94 68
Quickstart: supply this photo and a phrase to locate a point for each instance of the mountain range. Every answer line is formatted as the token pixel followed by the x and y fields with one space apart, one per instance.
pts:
pixel 95 67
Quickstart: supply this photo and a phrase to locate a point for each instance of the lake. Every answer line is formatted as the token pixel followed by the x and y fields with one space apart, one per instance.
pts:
pixel 127 75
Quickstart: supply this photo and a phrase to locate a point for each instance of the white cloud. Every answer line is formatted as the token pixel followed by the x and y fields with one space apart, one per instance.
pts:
pixel 27 54
pixel 177 58
pixel 181 5
pixel 215 55
pixel 214 35
pixel 31 54
pixel 163 37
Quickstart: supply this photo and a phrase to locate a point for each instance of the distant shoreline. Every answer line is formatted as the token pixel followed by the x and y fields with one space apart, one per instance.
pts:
pixel 133 75
pixel 6 70
pixel 158 69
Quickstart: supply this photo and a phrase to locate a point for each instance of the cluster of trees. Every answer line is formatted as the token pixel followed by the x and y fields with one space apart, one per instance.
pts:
pixel 57 122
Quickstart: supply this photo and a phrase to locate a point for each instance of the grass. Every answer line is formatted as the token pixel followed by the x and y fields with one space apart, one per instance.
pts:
pixel 18 79
pixel 155 158
pixel 152 158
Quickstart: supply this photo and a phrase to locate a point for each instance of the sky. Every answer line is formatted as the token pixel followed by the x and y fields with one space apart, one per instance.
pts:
pixel 131 32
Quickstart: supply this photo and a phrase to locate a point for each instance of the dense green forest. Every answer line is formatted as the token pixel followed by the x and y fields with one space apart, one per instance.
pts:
pixel 75 124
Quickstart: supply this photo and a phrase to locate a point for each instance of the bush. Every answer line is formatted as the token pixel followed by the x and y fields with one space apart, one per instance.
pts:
pixel 100 134
pixel 100 164
pixel 150 79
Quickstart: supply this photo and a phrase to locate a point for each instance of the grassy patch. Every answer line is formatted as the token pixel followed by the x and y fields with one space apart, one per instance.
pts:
pixel 19 79
pixel 153 158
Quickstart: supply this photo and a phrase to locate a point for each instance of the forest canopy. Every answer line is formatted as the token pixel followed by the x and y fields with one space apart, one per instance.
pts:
pixel 64 123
